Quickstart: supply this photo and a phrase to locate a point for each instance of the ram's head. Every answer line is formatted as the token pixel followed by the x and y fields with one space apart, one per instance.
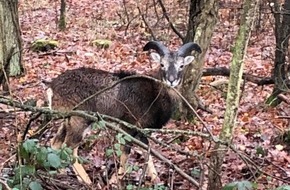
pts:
pixel 172 63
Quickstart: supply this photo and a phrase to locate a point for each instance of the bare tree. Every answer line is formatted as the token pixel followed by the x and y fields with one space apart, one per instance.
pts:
pixel 62 22
pixel 203 16
pixel 10 42
pixel 282 33
pixel 233 94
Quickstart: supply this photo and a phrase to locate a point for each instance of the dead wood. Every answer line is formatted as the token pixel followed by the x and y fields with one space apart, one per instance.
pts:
pixel 223 71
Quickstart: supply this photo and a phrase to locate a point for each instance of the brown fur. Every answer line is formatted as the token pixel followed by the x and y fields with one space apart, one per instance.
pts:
pixel 139 101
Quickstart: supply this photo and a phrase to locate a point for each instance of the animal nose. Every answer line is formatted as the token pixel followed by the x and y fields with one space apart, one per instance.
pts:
pixel 171 78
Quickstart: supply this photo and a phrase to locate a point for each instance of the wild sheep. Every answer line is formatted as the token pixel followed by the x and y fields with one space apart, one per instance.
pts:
pixel 139 101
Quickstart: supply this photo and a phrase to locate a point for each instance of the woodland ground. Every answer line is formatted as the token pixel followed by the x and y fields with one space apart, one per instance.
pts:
pixel 89 20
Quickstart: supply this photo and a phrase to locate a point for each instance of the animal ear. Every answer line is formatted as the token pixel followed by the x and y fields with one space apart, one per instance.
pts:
pixel 155 57
pixel 188 60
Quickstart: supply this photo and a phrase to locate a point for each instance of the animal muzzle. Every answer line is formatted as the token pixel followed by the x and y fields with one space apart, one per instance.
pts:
pixel 172 81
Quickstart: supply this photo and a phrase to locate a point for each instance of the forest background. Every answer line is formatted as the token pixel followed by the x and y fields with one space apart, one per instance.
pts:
pixel 110 35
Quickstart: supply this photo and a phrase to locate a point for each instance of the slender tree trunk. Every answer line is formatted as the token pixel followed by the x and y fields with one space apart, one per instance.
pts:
pixel 202 20
pixel 62 22
pixel 10 41
pixel 282 34
pixel 233 94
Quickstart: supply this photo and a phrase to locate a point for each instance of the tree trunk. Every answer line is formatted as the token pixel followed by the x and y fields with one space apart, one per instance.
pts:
pixel 282 31
pixel 10 41
pixel 202 20
pixel 62 23
pixel 233 94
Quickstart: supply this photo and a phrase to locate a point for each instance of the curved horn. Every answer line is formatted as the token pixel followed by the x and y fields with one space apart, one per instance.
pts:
pixel 159 47
pixel 187 48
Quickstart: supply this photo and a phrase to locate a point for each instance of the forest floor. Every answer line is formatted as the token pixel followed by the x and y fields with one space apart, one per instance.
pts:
pixel 88 20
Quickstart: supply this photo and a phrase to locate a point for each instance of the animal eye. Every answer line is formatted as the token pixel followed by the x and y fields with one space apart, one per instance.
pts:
pixel 162 65
pixel 181 66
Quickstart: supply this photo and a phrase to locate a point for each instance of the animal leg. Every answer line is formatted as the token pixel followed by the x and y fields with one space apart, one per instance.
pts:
pixel 123 160
pixel 122 169
pixel 75 132
pixel 151 170
pixel 49 94
pixel 79 170
pixel 59 138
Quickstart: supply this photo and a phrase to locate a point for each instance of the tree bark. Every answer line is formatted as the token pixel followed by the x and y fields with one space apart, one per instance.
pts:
pixel 202 20
pixel 233 94
pixel 282 34
pixel 10 41
pixel 62 22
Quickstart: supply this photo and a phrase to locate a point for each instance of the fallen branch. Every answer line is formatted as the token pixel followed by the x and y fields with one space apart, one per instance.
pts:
pixel 95 118
pixel 223 71
pixel 284 98
pixel 176 132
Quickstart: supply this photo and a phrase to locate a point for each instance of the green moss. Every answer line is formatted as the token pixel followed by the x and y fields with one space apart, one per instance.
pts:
pixel 43 45
pixel 102 43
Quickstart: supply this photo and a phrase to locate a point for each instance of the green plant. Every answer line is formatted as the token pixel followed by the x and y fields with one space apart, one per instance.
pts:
pixel 100 125
pixel 195 172
pixel 96 127
pixel 284 187
pixel 36 157
pixel 121 141
pixel 240 185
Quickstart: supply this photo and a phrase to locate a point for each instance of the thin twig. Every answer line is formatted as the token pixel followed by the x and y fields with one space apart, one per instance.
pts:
pixel 258 168
pixel 169 21
pixel 196 114
pixel 126 11
pixel 176 132
pixel 155 10
pixel 4 183
pixel 56 52
pixel 172 180
pixel 106 89
pixel 7 160
pixel 147 25
pixel 33 118
pixel 113 127
pixel 144 168
pixel 128 17
pixel 156 154
pixel 150 78
pixel 108 124
pixel 202 173
pixel 283 117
